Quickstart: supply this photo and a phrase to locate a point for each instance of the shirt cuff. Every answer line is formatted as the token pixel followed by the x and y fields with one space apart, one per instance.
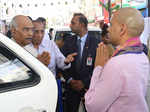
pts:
pixel 66 66
pixel 97 68
pixel 68 81
pixel 66 63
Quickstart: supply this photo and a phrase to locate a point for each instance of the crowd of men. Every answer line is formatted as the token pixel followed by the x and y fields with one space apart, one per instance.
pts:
pixel 111 76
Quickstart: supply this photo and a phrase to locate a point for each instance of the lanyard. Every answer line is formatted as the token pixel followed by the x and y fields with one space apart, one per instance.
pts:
pixel 131 42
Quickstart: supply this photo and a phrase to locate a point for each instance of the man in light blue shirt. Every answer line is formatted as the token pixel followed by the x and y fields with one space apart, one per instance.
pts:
pixel 83 40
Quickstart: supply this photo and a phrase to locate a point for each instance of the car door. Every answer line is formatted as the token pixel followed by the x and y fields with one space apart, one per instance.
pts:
pixel 26 85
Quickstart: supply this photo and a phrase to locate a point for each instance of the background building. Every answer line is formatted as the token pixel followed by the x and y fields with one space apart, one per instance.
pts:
pixel 57 12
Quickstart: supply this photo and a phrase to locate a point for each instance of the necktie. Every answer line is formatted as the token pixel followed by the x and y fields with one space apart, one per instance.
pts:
pixel 79 48
pixel 78 60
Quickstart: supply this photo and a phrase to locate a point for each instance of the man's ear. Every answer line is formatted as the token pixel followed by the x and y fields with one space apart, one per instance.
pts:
pixel 13 30
pixel 82 25
pixel 123 29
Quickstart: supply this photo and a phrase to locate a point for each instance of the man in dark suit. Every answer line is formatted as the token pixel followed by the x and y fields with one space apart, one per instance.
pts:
pixel 79 75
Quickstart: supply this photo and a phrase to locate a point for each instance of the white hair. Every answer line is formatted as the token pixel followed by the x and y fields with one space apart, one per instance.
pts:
pixel 13 23
pixel 2 27
pixel 1 23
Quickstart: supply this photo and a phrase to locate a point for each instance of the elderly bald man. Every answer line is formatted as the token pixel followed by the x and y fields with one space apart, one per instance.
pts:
pixel 119 84
pixel 21 28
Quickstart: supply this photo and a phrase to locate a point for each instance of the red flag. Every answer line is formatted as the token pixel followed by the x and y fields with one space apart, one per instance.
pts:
pixel 105 12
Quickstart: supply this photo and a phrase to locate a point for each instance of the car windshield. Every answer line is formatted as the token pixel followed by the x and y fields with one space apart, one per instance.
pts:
pixel 60 34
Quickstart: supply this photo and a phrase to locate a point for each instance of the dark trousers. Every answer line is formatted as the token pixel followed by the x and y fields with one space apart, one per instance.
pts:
pixel 72 101
pixel 60 101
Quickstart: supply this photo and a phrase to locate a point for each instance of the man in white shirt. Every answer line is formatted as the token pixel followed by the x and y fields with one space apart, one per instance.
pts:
pixel 39 46
pixel 46 35
pixel 22 30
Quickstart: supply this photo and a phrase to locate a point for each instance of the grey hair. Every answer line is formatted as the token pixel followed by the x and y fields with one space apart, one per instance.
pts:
pixel 2 23
pixel 13 23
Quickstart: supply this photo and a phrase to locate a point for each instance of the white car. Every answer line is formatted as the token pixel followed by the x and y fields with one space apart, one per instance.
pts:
pixel 26 85
pixel 94 31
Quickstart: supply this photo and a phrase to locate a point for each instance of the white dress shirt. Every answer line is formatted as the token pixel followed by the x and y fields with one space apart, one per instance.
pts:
pixel 46 36
pixel 56 57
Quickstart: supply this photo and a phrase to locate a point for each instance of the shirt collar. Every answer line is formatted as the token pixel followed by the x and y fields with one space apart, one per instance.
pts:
pixel 13 39
pixel 43 44
pixel 83 38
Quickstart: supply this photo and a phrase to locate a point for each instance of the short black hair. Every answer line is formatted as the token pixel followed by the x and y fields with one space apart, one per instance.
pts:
pixel 82 18
pixel 37 21
pixel 42 19
pixel 104 29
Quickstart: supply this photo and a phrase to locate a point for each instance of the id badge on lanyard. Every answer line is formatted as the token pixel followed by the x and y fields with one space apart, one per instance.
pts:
pixel 89 60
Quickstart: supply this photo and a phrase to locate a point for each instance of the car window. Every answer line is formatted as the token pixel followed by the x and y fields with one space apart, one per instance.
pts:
pixel 60 34
pixel 13 72
pixel 96 34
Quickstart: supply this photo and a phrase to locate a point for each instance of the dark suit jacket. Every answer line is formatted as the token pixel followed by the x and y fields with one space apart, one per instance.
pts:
pixel 85 72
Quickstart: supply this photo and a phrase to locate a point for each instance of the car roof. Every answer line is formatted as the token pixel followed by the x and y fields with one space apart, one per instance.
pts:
pixel 67 28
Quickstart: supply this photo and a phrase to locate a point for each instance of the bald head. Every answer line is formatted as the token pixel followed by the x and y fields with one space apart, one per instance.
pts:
pixel 22 29
pixel 133 19
pixel 19 20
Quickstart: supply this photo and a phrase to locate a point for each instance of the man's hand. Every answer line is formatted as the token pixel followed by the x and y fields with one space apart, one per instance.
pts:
pixel 77 85
pixel 102 55
pixel 44 58
pixel 70 58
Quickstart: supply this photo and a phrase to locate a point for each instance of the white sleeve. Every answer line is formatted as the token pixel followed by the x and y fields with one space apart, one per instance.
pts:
pixel 60 58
